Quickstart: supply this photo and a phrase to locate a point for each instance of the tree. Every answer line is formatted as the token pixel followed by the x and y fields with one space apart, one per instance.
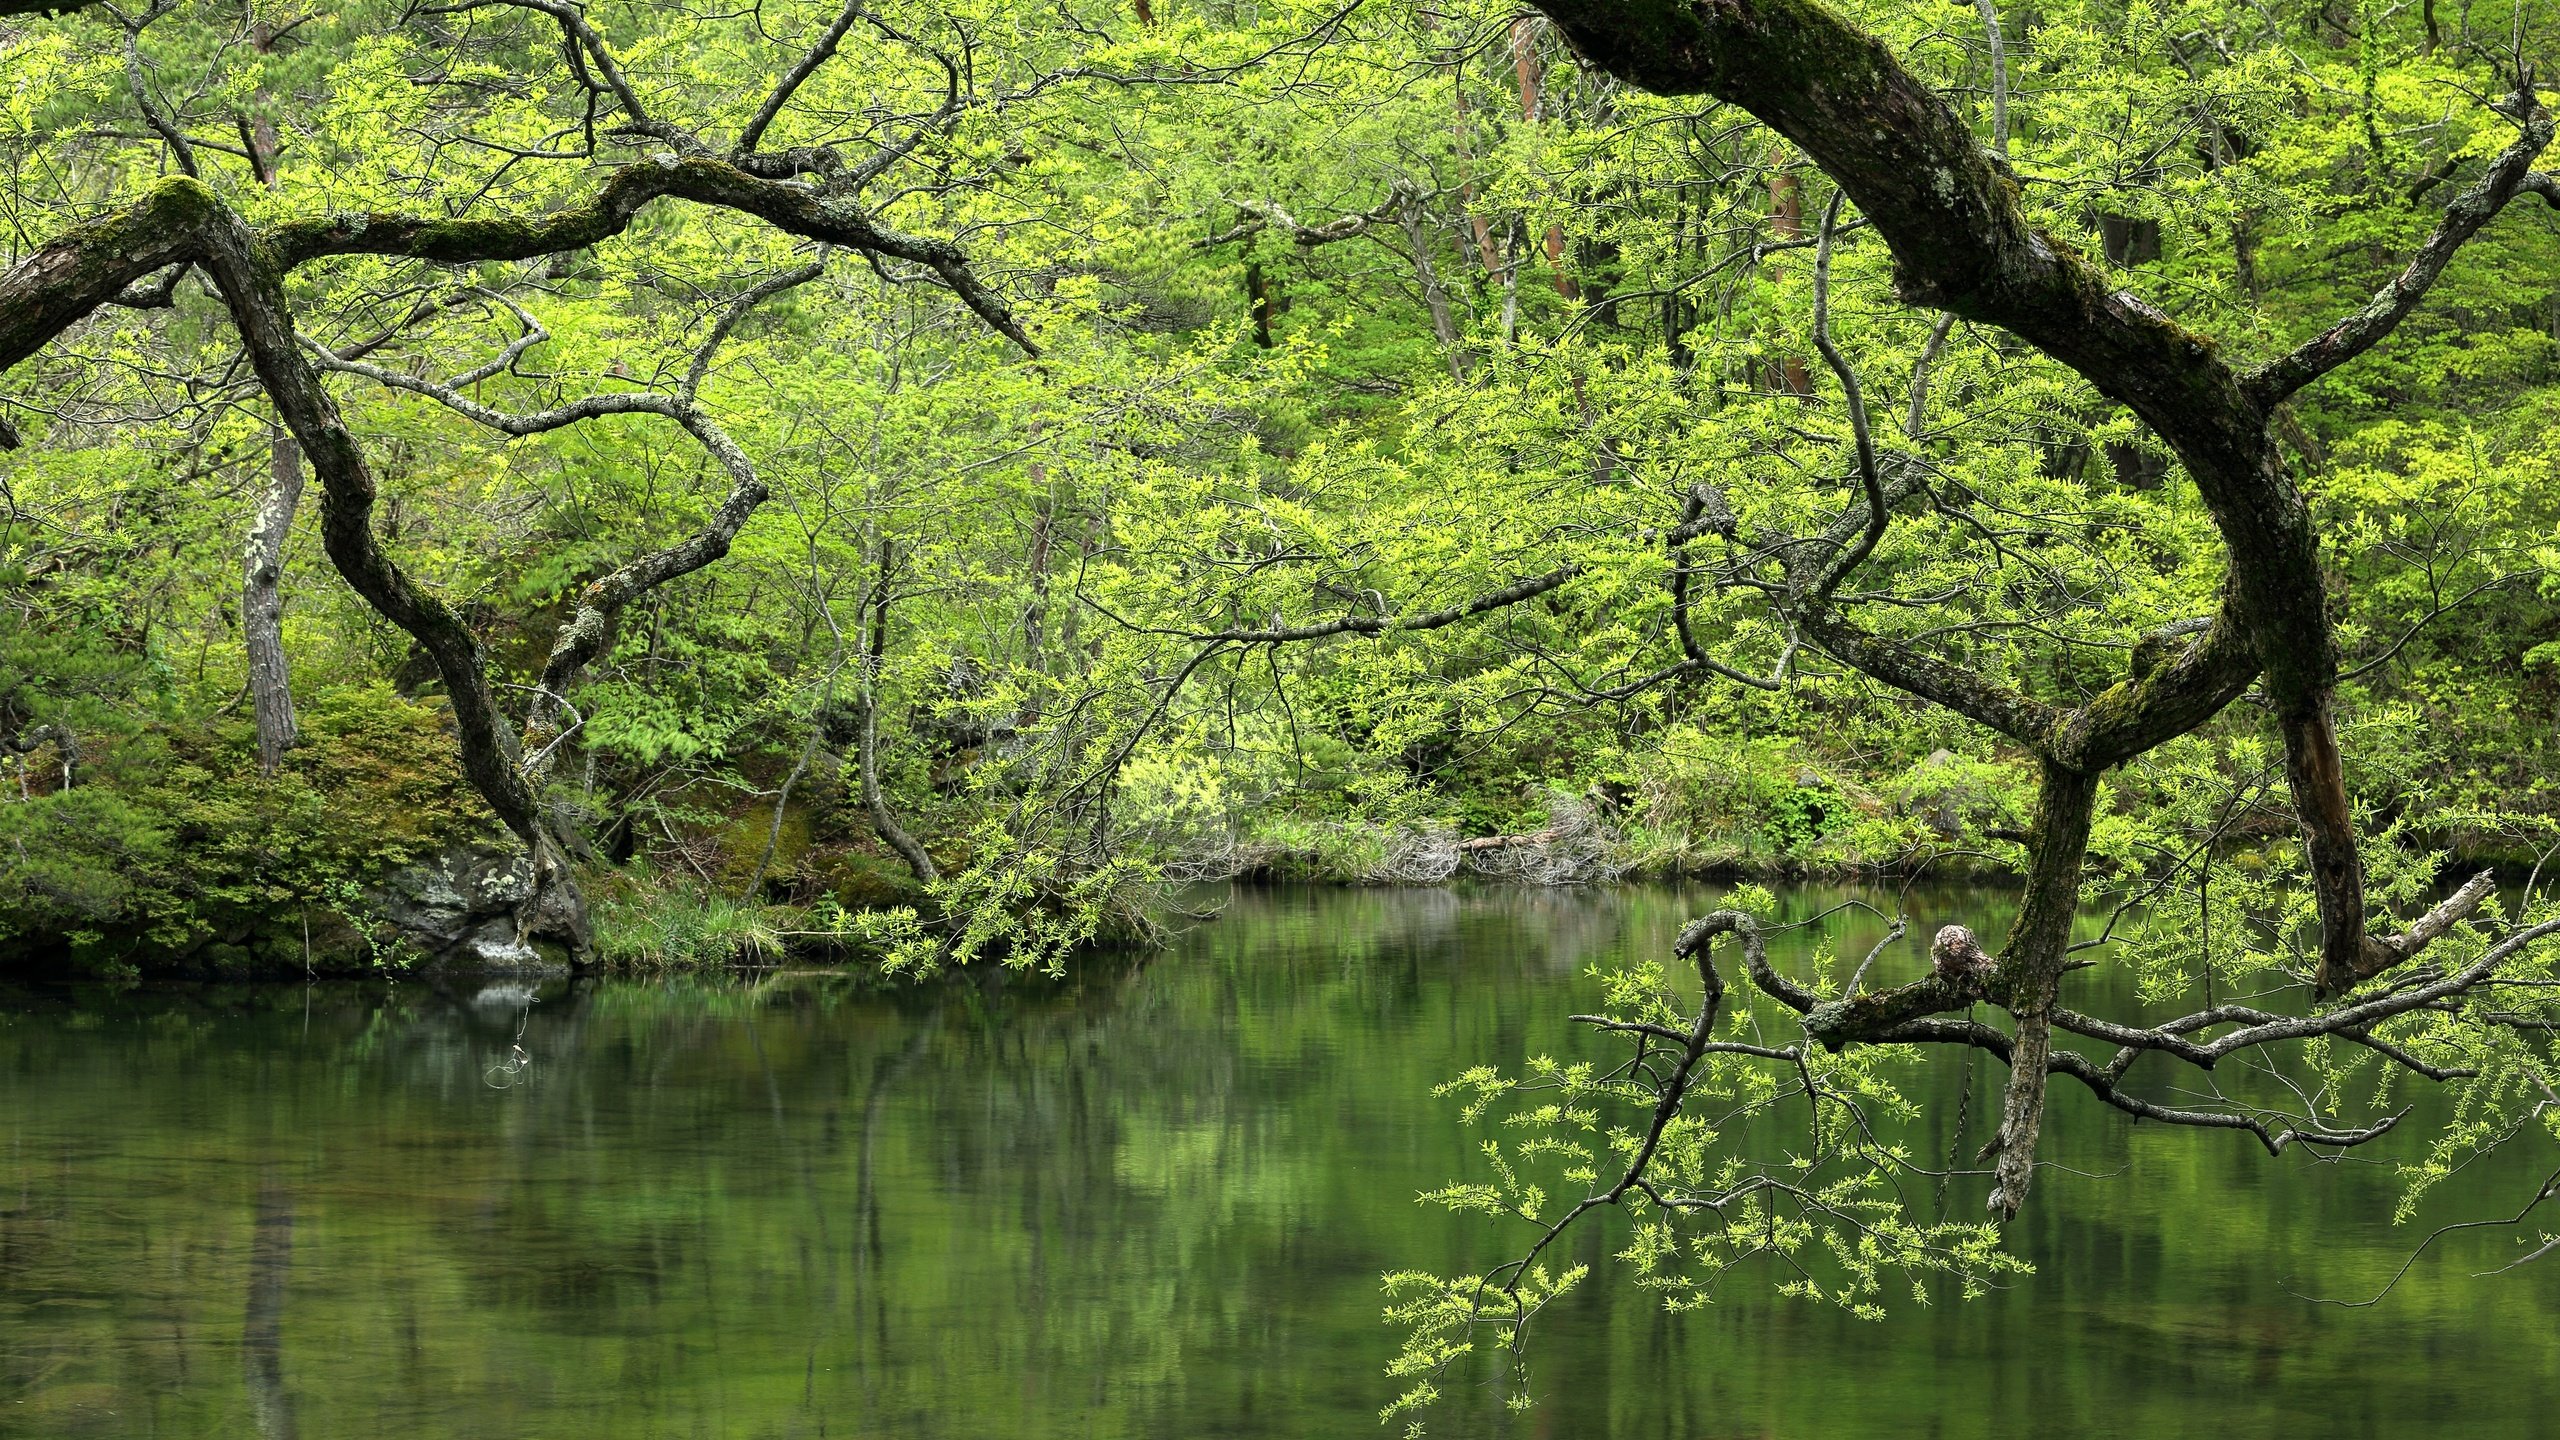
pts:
pixel 1312 538
pixel 182 224
pixel 1961 243
pixel 1948 207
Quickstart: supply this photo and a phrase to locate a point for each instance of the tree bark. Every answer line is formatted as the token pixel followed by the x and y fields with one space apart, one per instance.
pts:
pixel 884 821
pixel 248 277
pixel 261 584
pixel 262 602
pixel 2030 971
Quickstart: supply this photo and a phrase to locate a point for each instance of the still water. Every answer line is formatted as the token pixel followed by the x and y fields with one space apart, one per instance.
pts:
pixel 1154 1201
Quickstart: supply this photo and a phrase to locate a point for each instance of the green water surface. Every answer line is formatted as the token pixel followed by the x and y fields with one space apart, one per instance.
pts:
pixel 1151 1201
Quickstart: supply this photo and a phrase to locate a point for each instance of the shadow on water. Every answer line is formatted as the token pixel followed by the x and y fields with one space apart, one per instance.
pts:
pixel 1152 1201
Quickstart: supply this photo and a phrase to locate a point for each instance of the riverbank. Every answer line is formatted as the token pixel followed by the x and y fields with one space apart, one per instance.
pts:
pixel 364 854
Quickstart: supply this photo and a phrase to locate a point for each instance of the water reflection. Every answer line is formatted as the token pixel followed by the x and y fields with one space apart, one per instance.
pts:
pixel 1154 1202
pixel 261 1332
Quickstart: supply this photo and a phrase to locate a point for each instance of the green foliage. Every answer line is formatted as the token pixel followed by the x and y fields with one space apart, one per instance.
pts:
pixel 1231 426
pixel 685 927
pixel 191 843
pixel 1335 353
pixel 1801 1175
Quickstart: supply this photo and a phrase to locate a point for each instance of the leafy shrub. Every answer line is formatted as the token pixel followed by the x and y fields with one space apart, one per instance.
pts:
pixel 180 840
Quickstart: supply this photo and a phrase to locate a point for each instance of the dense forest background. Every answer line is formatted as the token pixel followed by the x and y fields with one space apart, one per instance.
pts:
pixel 1327 323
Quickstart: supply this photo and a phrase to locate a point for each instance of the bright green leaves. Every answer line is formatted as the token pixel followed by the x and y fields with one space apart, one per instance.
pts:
pixel 1782 1170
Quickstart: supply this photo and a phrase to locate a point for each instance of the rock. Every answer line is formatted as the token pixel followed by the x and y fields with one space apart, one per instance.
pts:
pixel 457 908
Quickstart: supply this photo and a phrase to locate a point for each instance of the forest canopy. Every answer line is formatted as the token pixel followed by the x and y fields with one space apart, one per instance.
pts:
pixel 921 481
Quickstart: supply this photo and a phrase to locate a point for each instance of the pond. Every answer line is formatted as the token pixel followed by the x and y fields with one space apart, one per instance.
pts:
pixel 1152 1201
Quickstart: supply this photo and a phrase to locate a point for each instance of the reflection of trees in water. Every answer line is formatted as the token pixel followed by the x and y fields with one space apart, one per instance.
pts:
pixel 871 1297
pixel 1158 1194
pixel 788 1198
pixel 261 1331
pixel 1143 1161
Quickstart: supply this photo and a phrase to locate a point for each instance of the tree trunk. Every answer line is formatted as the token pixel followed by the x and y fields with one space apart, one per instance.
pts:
pixel 2030 971
pixel 262 602
pixel 1257 292
pixel 1035 616
pixel 1511 286
pixel 1531 75
pixel 1435 298
pixel 1786 223
pixel 255 295
pixel 1477 226
pixel 2319 781
pixel 262 581
pixel 867 752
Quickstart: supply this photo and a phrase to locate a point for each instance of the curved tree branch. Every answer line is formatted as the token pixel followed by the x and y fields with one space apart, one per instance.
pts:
pixel 91 264
pixel 251 285
pixel 2505 179
pixel 1949 210
pixel 589 630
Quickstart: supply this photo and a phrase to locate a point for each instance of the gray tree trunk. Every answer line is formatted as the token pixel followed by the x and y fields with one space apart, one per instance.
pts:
pixel 261 586
pixel 262 602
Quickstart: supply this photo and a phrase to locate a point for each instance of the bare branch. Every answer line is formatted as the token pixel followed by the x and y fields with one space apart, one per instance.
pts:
pixel 791 81
pixel 1879 514
pixel 1502 598
pixel 1271 214
pixel 167 126
pixel 2272 382
pixel 583 41
pixel 2383 952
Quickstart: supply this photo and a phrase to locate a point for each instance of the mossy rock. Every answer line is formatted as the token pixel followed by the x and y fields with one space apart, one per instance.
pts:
pixel 743 840
pixel 859 880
